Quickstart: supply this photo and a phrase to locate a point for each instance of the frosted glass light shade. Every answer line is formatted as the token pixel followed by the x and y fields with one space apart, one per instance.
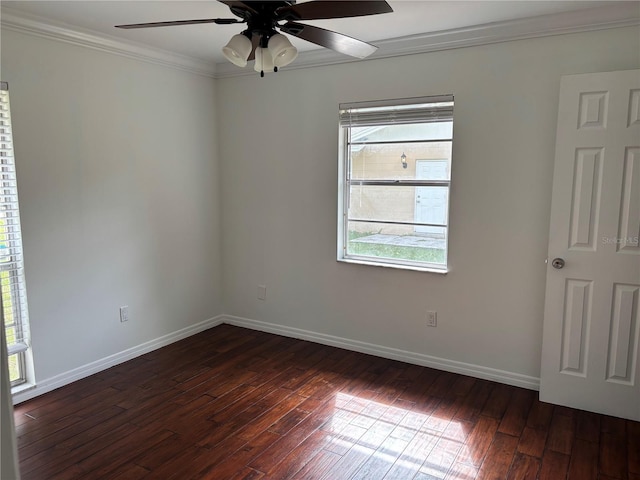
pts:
pixel 237 50
pixel 264 62
pixel 282 52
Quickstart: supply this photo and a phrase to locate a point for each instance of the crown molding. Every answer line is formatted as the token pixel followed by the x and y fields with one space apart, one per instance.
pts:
pixel 45 28
pixel 619 14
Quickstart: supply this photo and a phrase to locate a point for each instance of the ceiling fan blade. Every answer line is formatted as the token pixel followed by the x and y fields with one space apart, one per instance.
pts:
pixel 332 9
pixel 333 40
pixel 237 5
pixel 219 21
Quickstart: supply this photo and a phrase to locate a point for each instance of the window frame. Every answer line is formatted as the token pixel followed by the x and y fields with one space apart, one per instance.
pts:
pixel 345 182
pixel 14 287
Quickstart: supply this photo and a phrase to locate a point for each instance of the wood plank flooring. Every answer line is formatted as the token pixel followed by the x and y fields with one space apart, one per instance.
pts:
pixel 232 403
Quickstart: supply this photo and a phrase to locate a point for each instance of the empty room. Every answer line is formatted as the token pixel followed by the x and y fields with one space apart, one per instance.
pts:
pixel 320 240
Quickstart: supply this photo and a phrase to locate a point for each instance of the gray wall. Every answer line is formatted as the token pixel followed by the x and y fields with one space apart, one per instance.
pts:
pixel 278 138
pixel 118 182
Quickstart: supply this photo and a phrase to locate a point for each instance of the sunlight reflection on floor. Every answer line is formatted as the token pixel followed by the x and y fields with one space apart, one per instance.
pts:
pixel 400 442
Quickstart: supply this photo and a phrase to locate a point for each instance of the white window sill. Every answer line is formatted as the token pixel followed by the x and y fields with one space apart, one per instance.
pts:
pixel 415 268
pixel 23 387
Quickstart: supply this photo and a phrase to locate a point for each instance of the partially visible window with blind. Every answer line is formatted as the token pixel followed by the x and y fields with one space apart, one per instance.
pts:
pixel 14 296
pixel 395 177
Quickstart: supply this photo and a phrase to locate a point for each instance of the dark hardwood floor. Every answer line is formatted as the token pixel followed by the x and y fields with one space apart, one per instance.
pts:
pixel 232 403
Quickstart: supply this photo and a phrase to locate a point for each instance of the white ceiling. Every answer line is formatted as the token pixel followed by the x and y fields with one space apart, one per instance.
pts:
pixel 204 42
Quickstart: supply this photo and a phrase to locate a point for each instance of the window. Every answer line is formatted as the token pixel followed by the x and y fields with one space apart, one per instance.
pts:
pixel 395 164
pixel 14 296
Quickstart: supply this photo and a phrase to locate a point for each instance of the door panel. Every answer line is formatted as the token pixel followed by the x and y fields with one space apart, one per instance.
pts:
pixel 431 202
pixel 623 341
pixel 629 232
pixel 592 316
pixel 586 198
pixel 575 325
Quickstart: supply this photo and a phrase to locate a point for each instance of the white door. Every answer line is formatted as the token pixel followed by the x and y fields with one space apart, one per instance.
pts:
pixel 592 315
pixel 431 202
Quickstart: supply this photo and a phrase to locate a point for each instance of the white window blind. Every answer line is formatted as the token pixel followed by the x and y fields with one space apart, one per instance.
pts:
pixel 406 111
pixel 14 295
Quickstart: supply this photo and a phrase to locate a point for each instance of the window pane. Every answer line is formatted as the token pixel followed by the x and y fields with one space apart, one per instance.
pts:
pixel 422 161
pixel 414 131
pixel 398 242
pixel 15 370
pixel 399 203
pixel 8 304
pixel 395 159
pixel 372 202
pixel 11 335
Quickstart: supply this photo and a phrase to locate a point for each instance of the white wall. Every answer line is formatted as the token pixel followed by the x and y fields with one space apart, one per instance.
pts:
pixel 278 150
pixel 118 183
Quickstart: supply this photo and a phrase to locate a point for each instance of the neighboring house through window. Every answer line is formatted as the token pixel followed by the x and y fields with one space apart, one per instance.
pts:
pixel 395 175
pixel 14 296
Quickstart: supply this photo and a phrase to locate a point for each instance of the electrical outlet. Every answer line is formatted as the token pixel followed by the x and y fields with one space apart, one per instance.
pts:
pixel 124 313
pixel 432 318
pixel 262 292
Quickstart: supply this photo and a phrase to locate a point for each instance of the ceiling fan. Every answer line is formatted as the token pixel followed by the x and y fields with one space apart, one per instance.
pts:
pixel 270 49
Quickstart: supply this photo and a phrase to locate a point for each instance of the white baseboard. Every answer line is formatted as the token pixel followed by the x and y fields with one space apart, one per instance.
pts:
pixel 49 384
pixel 477 371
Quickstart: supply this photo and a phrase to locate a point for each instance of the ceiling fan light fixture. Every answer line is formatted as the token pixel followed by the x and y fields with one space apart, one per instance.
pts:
pixel 237 50
pixel 264 18
pixel 264 61
pixel 282 52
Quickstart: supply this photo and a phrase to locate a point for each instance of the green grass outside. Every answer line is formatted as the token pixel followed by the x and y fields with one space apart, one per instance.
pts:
pixel 420 254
